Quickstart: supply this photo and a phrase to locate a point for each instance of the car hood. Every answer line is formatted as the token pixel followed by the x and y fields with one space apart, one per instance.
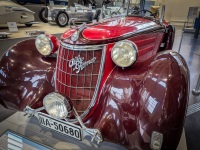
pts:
pixel 112 30
pixel 117 28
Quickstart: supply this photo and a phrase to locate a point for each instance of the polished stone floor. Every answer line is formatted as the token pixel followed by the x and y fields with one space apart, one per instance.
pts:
pixel 190 50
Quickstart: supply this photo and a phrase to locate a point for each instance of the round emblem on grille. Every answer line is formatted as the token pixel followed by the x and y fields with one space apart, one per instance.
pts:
pixel 75 36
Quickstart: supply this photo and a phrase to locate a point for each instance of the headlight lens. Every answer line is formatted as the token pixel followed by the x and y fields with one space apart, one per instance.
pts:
pixel 44 44
pixel 56 105
pixel 124 53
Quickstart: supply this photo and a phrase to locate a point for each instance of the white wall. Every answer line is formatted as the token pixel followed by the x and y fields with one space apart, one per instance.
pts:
pixel 178 9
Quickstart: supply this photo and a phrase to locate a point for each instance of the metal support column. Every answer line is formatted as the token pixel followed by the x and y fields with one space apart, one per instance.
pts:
pixel 142 4
pixel 179 48
pixel 196 34
pixel 196 91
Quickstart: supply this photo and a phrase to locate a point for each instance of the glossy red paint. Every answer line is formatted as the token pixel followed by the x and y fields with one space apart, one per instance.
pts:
pixel 108 68
pixel 148 44
pixel 118 27
pixel 113 30
pixel 146 49
pixel 131 107
pixel 68 33
pixel 151 95
pixel 25 76
pixel 54 41
pixel 73 84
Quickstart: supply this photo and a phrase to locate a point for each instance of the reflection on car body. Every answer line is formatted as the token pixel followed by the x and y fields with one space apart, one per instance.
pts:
pixel 117 80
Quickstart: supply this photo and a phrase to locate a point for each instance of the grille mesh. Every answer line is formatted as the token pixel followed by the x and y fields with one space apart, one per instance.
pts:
pixel 79 87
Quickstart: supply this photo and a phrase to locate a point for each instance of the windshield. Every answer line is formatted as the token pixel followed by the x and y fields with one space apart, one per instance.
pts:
pixel 113 8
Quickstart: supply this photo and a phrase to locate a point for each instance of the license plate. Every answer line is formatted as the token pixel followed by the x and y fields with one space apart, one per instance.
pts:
pixel 60 126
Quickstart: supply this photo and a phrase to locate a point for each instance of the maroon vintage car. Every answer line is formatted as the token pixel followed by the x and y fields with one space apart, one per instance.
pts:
pixel 113 81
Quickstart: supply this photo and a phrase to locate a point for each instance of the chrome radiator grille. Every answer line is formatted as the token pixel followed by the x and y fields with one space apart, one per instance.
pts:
pixel 81 87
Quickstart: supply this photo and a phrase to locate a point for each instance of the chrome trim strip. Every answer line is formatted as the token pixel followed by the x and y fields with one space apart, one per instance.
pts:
pixel 82 48
pixel 92 103
pixel 98 83
pixel 96 88
pixel 55 79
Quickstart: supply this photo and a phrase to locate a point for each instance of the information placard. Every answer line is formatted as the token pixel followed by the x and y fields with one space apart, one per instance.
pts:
pixel 12 26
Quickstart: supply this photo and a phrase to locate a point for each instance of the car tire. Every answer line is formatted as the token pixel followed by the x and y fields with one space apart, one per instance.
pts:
pixel 62 19
pixel 42 15
pixel 28 25
pixel 21 3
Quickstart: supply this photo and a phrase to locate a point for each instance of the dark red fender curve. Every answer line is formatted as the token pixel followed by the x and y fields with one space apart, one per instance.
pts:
pixel 149 96
pixel 145 98
pixel 25 76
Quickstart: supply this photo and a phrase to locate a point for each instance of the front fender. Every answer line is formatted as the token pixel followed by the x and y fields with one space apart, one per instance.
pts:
pixel 25 76
pixel 148 97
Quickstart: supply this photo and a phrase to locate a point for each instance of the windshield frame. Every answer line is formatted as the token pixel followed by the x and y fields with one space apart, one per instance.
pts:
pixel 125 5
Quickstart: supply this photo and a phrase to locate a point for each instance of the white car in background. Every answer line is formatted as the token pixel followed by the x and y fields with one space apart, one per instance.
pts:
pixel 12 12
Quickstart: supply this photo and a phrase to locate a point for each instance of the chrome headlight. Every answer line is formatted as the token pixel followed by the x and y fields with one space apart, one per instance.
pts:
pixel 44 44
pixel 57 105
pixel 124 53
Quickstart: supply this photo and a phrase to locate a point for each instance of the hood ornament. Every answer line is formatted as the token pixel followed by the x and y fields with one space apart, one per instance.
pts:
pixel 75 35
pixel 78 63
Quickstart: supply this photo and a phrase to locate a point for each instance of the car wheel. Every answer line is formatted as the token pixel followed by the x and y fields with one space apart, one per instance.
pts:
pixel 28 25
pixel 43 15
pixel 21 3
pixel 62 19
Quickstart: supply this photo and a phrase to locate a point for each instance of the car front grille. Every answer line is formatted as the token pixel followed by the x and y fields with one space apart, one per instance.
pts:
pixel 81 87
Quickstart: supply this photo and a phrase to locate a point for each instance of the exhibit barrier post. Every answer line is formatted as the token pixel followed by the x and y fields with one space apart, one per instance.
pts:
pixel 196 91
pixel 179 48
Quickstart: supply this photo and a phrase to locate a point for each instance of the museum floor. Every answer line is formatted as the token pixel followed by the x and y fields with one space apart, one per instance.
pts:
pixel 190 50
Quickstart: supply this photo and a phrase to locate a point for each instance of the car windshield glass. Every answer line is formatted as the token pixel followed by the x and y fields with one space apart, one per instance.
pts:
pixel 113 8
